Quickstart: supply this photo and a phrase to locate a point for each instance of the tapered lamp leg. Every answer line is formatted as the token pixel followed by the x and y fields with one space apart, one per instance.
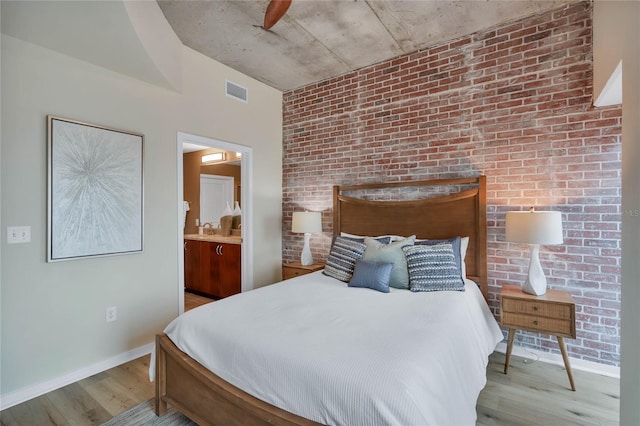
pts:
pixel 306 258
pixel 536 282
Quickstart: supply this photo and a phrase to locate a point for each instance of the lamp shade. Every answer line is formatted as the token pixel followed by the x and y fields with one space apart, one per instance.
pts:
pixel 306 222
pixel 534 227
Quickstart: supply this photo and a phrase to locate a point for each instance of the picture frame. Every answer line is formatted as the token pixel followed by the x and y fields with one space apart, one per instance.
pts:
pixel 95 190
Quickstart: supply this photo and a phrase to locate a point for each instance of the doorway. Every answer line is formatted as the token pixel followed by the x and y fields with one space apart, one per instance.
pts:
pixel 246 168
pixel 216 192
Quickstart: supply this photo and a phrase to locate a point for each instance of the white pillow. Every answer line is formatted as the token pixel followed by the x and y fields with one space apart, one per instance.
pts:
pixel 464 244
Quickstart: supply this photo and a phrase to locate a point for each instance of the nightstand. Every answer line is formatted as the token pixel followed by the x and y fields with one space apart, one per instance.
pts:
pixel 552 313
pixel 295 269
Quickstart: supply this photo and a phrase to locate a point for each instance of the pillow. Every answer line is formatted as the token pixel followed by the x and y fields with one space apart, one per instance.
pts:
pixel 383 240
pixel 433 268
pixel 342 258
pixel 374 275
pixel 455 243
pixel 390 253
pixel 464 244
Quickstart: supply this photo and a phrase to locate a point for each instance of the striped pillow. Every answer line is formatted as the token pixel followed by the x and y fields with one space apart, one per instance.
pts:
pixel 433 268
pixel 455 243
pixel 342 258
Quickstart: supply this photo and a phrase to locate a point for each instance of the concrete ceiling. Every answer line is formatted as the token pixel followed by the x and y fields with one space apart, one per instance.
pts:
pixel 320 39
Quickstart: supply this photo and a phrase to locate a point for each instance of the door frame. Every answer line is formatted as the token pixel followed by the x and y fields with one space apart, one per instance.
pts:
pixel 246 198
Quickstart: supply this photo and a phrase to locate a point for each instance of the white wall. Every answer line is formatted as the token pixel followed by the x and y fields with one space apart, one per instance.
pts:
pixel 616 37
pixel 630 368
pixel 53 314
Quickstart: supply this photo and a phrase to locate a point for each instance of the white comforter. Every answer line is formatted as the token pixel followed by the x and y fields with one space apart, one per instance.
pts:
pixel 348 356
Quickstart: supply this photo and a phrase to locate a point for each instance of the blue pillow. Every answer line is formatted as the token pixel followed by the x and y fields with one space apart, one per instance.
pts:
pixel 433 268
pixel 342 258
pixel 374 275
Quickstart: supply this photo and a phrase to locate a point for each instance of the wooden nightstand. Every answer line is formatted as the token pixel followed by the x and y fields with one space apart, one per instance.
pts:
pixel 295 269
pixel 552 313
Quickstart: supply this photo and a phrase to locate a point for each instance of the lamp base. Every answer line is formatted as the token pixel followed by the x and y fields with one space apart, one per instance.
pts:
pixel 536 282
pixel 306 258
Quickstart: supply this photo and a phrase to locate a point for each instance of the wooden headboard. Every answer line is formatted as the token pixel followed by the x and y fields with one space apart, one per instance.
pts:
pixel 453 207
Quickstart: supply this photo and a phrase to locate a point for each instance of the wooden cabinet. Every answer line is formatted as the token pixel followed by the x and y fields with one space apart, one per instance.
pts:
pixel 551 313
pixel 225 269
pixel 195 256
pixel 212 269
pixel 295 269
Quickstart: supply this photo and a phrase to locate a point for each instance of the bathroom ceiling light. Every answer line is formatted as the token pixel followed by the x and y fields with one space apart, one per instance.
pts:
pixel 212 158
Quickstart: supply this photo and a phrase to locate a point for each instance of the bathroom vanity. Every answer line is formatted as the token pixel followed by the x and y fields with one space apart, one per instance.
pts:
pixel 212 265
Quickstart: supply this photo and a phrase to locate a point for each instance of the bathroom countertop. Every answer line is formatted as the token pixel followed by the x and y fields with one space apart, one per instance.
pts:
pixel 214 238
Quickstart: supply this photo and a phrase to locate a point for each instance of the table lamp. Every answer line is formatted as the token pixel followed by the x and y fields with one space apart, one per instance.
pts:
pixel 535 228
pixel 306 222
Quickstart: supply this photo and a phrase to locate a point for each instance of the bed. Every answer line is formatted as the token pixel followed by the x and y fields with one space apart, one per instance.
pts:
pixel 314 350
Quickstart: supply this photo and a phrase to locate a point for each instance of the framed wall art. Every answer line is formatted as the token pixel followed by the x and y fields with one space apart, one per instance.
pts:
pixel 95 190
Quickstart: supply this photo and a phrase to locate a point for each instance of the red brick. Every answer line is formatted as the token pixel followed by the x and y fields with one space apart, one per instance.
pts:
pixel 512 102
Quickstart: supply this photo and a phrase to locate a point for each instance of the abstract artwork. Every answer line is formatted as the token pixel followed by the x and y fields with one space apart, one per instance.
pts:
pixel 95 190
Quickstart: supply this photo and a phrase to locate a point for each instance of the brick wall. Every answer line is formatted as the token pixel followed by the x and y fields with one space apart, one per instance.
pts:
pixel 513 103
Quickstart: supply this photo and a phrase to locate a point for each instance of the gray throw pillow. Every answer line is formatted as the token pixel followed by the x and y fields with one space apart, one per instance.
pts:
pixel 390 253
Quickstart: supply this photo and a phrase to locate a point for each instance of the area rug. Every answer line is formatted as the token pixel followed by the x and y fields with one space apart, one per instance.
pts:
pixel 143 414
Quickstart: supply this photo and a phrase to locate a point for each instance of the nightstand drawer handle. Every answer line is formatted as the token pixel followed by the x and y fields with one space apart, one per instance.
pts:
pixel 535 322
pixel 535 308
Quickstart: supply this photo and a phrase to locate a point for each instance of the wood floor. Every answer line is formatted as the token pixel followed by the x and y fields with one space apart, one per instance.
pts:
pixel 193 301
pixel 536 393
pixel 531 394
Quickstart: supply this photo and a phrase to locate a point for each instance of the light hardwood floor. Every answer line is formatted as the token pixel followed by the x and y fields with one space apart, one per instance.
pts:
pixel 531 394
pixel 537 393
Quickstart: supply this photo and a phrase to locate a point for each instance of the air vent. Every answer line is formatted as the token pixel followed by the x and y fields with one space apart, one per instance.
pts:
pixel 236 91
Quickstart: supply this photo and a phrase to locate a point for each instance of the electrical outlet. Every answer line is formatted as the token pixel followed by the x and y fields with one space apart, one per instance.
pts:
pixel 112 314
pixel 18 234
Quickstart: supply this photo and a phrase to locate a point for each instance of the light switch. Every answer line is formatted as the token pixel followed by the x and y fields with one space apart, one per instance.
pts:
pixel 18 234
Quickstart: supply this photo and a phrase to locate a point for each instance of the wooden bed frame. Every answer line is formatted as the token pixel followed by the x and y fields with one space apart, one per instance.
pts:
pixel 209 400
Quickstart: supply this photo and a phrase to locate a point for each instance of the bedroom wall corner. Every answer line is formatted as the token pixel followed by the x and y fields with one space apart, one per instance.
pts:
pixel 53 314
pixel 1 221
pixel 617 37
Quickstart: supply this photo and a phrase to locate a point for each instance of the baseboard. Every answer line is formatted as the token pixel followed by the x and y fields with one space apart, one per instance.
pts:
pixel 21 395
pixel 556 359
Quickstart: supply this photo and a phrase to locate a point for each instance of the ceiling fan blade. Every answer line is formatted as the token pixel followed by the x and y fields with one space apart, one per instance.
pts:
pixel 275 11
